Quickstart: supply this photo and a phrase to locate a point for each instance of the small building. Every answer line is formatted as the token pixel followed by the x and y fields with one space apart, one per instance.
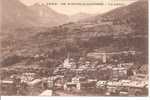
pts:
pixel 78 79
pixel 69 63
pixel 140 77
pixel 59 82
pixel 80 83
pixel 7 87
pixel 119 73
pixel 75 84
pixel 101 84
pixel 101 56
pixel 34 86
pixel 46 93
pixel 34 82
pixel 69 86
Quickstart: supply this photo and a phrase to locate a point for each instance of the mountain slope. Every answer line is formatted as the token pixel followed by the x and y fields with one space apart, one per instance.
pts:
pixel 47 16
pixel 15 15
pixel 135 16
pixel 129 24
pixel 124 28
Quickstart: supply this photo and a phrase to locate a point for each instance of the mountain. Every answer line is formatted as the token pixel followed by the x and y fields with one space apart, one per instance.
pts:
pixel 79 16
pixel 133 16
pixel 17 15
pixel 124 28
pixel 47 16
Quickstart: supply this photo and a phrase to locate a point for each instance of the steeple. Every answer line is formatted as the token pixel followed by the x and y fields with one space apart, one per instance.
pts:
pixel 67 61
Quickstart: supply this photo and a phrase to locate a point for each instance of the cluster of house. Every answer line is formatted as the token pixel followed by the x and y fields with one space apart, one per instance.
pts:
pixel 108 75
pixel 113 71
pixel 82 76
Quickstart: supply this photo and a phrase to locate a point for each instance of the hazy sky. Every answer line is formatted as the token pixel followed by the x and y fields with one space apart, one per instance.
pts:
pixel 104 5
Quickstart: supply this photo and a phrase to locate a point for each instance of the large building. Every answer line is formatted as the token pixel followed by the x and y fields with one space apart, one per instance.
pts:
pixel 105 57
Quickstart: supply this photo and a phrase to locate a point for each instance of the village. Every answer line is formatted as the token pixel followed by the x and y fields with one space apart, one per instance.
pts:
pixel 99 74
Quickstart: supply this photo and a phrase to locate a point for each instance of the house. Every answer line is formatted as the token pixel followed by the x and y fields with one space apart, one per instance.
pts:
pixel 140 77
pixel 119 73
pixel 75 84
pixel 46 93
pixel 33 86
pixel 101 84
pixel 101 56
pixel 34 82
pixel 7 87
pixel 72 86
pixel 78 79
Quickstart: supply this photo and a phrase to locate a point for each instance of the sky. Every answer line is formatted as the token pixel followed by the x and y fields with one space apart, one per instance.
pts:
pixel 102 7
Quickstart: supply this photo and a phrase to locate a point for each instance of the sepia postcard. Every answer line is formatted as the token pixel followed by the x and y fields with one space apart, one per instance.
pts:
pixel 74 48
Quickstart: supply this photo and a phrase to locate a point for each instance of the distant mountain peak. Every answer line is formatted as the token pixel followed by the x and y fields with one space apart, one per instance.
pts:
pixel 79 16
pixel 17 15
